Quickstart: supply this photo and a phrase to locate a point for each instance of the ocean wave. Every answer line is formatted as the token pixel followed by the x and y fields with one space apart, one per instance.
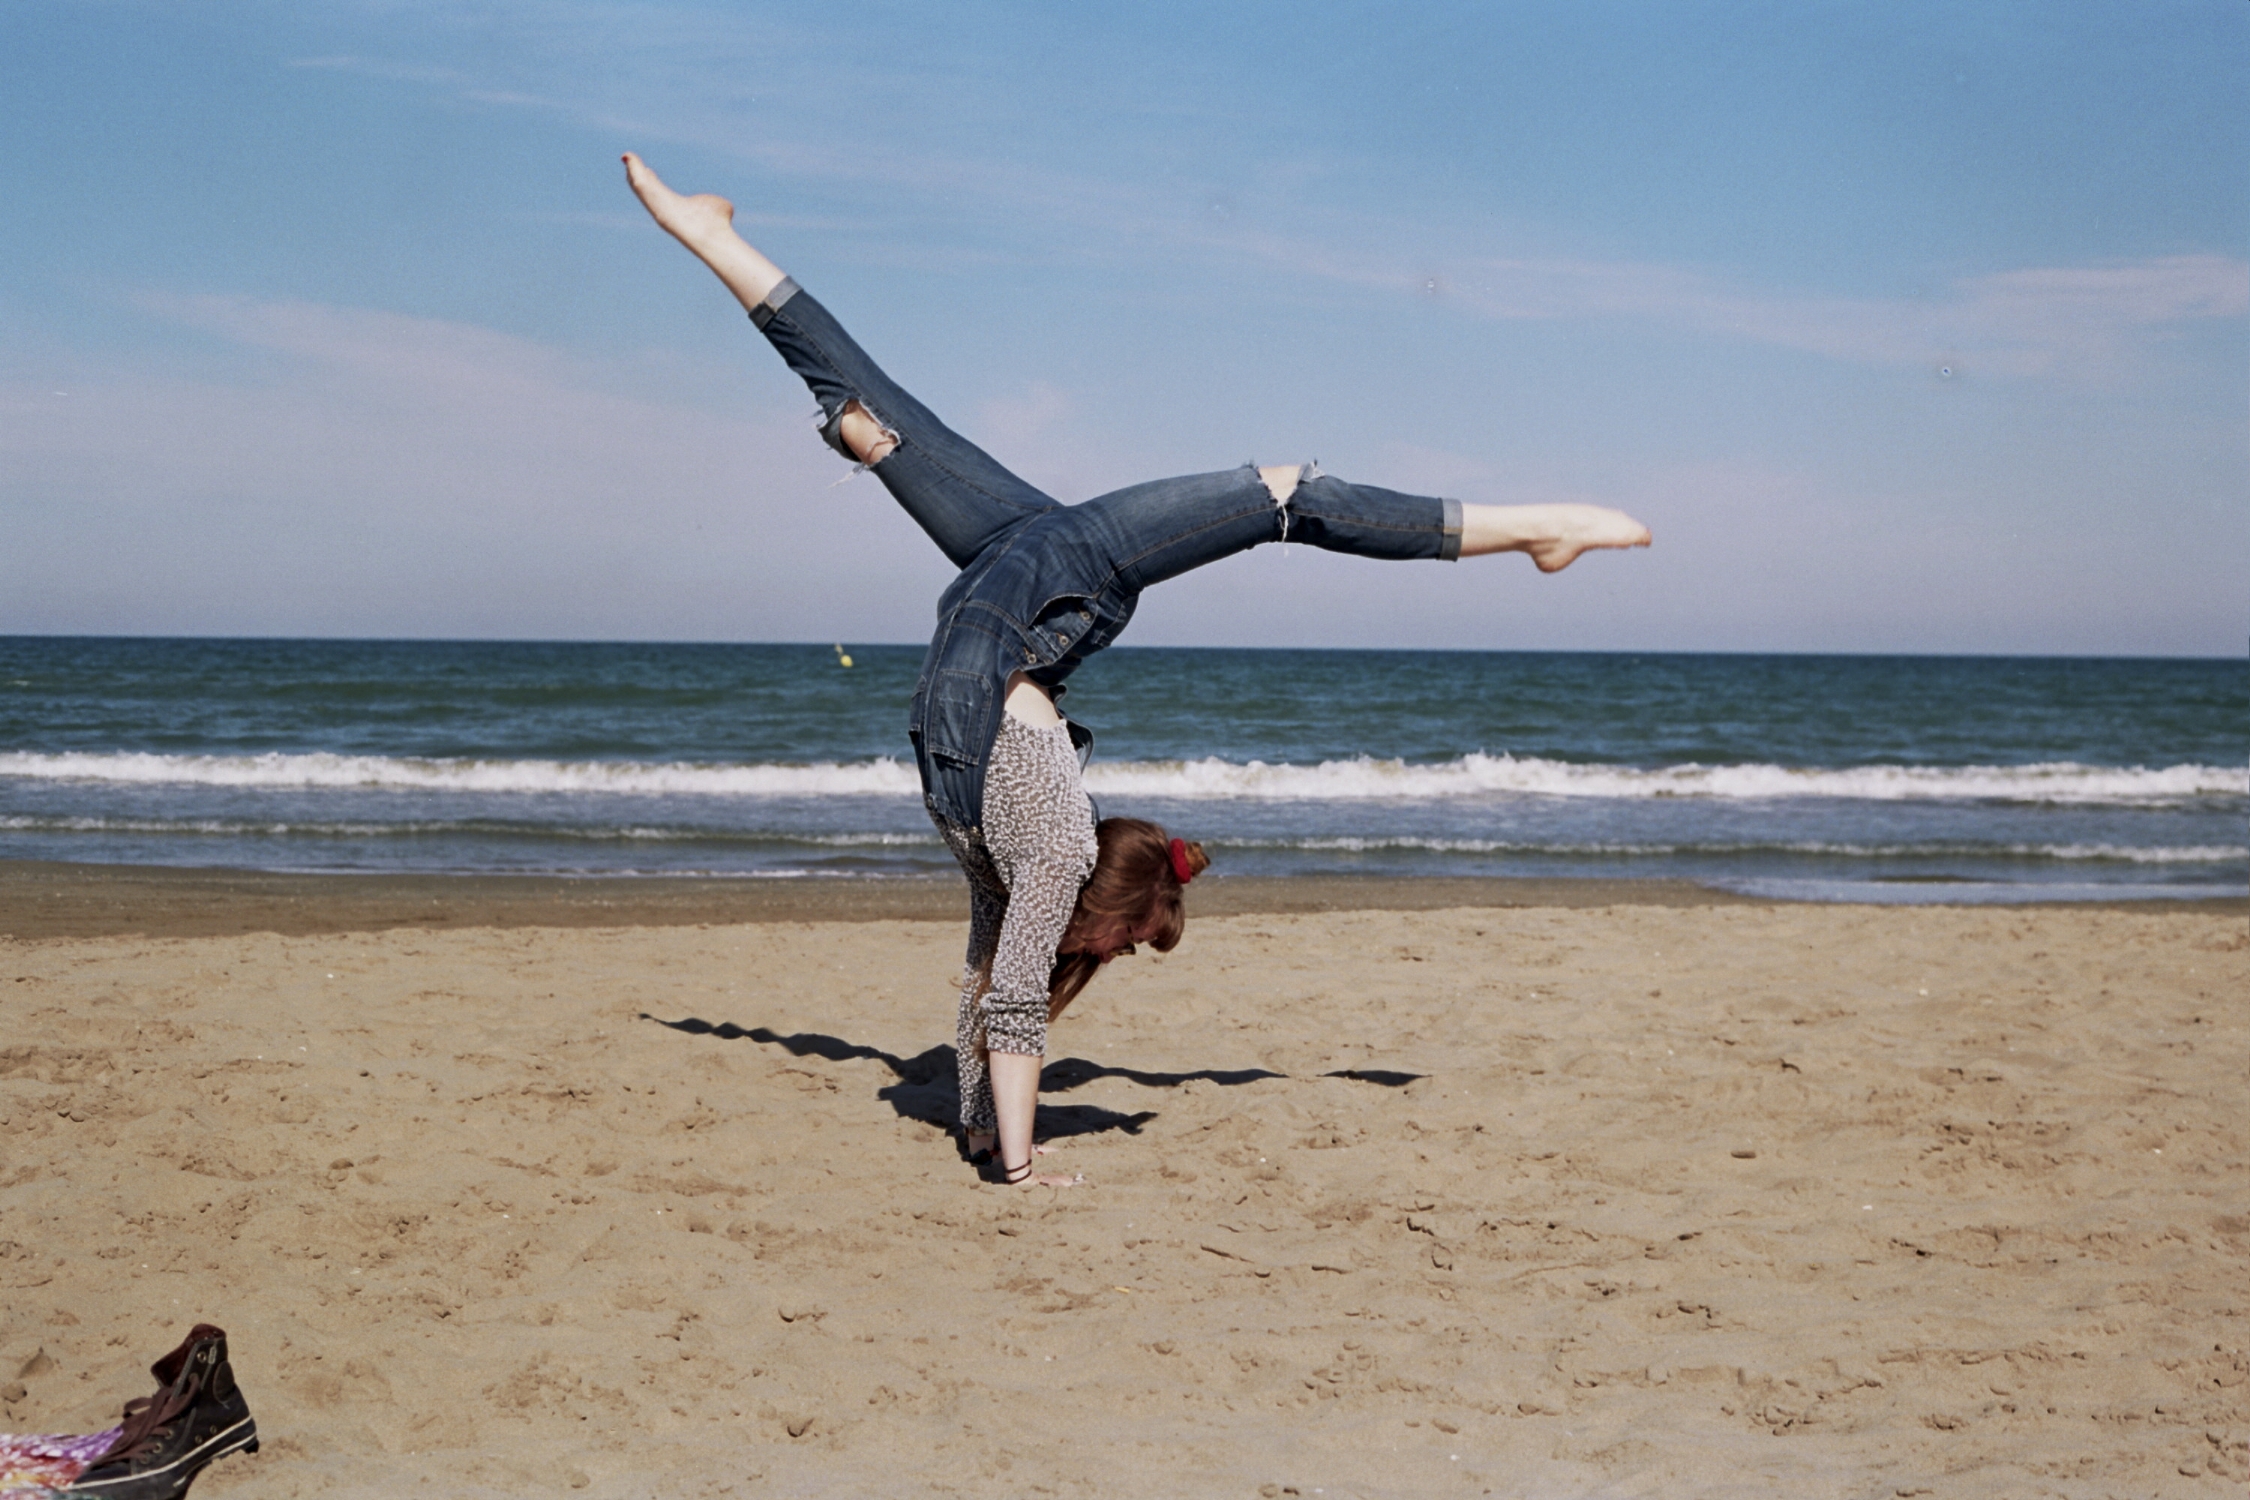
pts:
pixel 259 828
pixel 321 771
pixel 2120 853
pixel 1478 775
pixel 1362 778
pixel 485 828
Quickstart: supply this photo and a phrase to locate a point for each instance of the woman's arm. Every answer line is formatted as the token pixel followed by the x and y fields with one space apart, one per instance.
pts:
pixel 1015 1094
pixel 1040 902
pixel 988 904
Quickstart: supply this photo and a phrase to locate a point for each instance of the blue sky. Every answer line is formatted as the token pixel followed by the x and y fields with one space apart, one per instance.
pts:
pixel 1907 327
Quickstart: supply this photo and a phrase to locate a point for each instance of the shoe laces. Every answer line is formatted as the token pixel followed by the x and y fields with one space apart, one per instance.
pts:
pixel 184 1377
pixel 148 1417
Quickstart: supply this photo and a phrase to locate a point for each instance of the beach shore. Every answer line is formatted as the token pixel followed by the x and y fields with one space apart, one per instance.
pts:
pixel 525 1187
pixel 50 900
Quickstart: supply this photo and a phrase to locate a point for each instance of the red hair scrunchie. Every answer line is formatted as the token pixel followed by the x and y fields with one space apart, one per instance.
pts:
pixel 1180 861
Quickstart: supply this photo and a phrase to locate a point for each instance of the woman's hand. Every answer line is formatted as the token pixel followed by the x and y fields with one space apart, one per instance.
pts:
pixel 1049 1179
pixel 981 1142
pixel 978 1143
pixel 986 1140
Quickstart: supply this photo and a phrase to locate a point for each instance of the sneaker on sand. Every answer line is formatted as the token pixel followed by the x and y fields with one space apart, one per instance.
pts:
pixel 196 1415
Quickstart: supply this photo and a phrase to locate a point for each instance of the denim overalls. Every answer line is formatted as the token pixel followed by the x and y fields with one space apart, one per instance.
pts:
pixel 1045 585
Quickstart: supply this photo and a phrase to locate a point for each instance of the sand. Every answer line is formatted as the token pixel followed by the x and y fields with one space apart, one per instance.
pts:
pixel 45 900
pixel 1623 1200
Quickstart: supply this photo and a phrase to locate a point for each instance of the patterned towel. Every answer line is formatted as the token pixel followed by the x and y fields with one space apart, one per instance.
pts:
pixel 34 1467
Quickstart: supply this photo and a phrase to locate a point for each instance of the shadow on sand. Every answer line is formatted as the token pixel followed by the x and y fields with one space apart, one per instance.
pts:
pixel 927 1089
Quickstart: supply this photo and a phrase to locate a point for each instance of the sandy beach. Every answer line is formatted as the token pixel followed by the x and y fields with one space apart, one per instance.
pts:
pixel 1663 1197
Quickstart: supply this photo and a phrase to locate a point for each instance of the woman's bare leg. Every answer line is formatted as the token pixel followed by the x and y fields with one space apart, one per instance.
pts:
pixel 704 222
pixel 1553 535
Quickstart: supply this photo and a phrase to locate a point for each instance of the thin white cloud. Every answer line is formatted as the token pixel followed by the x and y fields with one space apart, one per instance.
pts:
pixel 2077 322
pixel 366 471
pixel 2080 320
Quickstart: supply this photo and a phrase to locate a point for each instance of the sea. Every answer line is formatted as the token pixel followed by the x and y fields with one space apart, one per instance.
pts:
pixel 1823 778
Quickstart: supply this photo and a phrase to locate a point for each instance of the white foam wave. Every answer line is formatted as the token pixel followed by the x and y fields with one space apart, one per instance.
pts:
pixel 1357 779
pixel 321 771
pixel 2129 854
pixel 1486 775
pixel 259 828
pixel 2188 854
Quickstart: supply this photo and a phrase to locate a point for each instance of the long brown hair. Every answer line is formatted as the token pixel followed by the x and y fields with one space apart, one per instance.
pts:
pixel 1132 897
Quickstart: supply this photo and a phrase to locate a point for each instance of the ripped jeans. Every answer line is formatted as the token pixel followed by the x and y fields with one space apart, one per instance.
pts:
pixel 1044 585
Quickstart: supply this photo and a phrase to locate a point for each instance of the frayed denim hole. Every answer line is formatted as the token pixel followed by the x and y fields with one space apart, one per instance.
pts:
pixel 1306 472
pixel 832 433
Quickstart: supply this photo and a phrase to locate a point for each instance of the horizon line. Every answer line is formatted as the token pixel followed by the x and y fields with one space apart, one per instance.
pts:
pixel 828 643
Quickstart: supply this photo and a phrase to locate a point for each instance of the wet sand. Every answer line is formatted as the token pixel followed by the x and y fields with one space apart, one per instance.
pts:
pixel 45 900
pixel 1625 1199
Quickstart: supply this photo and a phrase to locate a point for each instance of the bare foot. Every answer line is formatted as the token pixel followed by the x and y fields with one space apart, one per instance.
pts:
pixel 695 222
pixel 1551 535
pixel 704 222
pixel 1582 528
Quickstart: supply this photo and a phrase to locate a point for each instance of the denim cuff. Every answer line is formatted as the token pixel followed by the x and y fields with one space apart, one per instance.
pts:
pixel 1449 549
pixel 772 302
